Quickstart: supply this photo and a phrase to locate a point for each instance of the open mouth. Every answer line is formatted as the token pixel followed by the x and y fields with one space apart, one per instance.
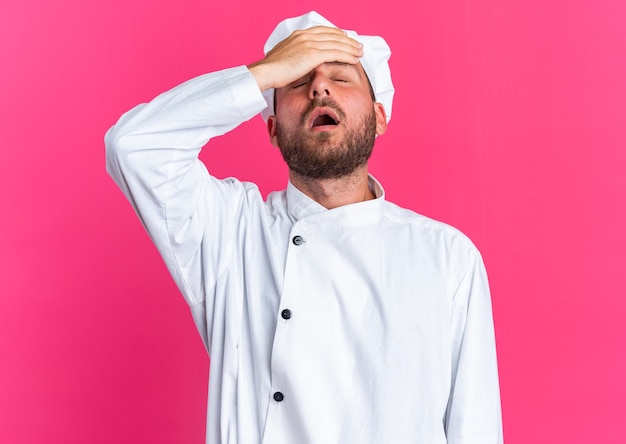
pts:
pixel 323 117
pixel 323 120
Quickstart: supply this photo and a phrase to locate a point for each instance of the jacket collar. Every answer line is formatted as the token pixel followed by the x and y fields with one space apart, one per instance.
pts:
pixel 300 206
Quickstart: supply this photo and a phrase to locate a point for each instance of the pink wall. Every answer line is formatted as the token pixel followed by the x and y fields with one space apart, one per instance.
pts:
pixel 509 122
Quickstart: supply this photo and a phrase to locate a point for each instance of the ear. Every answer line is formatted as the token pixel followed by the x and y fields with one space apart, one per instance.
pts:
pixel 381 118
pixel 271 129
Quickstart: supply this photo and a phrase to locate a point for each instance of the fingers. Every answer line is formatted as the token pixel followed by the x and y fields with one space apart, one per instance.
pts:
pixel 321 38
pixel 303 51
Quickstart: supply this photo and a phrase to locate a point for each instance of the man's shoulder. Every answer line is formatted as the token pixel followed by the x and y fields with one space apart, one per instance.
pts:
pixel 401 215
pixel 425 227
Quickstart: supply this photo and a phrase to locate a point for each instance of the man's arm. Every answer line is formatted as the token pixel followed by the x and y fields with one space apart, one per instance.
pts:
pixel 473 415
pixel 152 154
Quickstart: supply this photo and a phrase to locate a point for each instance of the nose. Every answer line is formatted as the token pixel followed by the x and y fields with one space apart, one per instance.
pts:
pixel 320 86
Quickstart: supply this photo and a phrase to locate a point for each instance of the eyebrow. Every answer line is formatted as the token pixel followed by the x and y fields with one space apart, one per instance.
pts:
pixel 353 67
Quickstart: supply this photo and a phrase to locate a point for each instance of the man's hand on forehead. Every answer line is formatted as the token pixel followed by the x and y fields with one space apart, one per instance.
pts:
pixel 302 52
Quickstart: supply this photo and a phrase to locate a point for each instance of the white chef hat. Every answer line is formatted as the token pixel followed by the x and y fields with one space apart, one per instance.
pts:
pixel 376 53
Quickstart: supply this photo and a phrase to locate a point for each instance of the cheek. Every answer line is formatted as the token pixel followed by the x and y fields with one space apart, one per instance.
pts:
pixel 358 109
pixel 355 101
pixel 287 119
pixel 286 109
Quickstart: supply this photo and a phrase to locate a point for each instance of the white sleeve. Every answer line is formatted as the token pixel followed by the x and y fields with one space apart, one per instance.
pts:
pixel 152 154
pixel 474 412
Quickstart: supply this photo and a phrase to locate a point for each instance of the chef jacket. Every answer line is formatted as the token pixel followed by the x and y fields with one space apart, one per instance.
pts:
pixel 366 323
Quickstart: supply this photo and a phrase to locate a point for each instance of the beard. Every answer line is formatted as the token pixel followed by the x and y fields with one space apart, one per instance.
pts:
pixel 314 156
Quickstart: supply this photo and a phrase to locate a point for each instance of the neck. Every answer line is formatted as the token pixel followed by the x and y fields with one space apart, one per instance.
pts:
pixel 333 193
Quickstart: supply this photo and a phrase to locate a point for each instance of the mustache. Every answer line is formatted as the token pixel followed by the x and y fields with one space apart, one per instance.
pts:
pixel 325 102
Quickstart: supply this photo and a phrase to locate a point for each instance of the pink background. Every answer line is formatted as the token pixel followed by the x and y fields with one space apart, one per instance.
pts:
pixel 509 123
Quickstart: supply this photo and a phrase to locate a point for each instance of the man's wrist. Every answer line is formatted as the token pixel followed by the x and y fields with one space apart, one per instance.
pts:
pixel 260 73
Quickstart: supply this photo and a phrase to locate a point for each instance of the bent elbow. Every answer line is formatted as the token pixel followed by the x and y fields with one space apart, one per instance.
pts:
pixel 114 150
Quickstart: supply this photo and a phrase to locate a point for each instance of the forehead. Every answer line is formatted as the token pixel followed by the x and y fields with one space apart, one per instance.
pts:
pixel 358 67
